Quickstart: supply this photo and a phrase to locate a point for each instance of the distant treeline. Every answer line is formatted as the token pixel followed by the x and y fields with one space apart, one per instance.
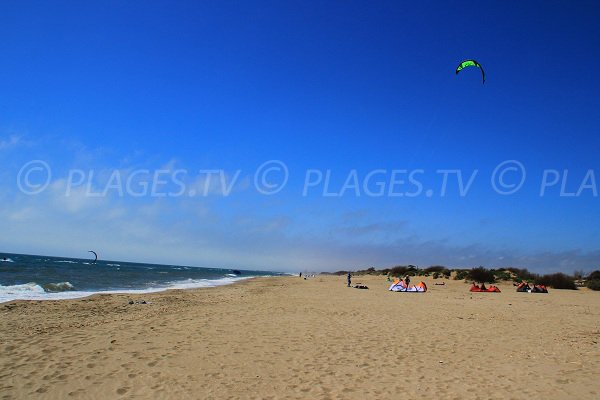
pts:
pixel 481 274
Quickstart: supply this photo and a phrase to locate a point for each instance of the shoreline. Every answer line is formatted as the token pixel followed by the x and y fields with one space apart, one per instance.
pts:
pixel 77 294
pixel 294 338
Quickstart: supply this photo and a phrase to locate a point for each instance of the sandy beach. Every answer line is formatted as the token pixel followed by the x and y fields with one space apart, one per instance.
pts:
pixel 292 338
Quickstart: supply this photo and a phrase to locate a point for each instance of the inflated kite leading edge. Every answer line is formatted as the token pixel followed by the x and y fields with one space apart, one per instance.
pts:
pixel 470 63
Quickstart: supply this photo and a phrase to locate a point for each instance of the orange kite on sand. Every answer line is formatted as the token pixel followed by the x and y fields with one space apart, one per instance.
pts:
pixel 482 288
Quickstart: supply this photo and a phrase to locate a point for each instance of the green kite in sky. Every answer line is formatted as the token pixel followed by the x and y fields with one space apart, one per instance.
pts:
pixel 470 63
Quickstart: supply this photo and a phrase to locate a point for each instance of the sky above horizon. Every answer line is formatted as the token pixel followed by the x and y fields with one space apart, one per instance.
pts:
pixel 302 135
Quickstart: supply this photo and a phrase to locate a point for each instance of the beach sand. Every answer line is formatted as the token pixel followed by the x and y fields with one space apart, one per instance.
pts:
pixel 292 338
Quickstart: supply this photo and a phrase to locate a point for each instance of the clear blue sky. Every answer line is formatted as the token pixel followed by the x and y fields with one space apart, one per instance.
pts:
pixel 336 85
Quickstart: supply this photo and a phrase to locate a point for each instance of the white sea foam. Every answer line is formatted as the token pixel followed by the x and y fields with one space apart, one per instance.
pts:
pixel 67 262
pixel 33 291
pixel 58 287
pixel 7 260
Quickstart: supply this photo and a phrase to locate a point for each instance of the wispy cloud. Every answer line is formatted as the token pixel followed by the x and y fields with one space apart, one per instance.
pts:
pixel 10 141
pixel 170 231
pixel 240 230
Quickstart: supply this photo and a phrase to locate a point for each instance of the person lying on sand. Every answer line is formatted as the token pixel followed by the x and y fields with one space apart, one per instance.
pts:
pixel 360 286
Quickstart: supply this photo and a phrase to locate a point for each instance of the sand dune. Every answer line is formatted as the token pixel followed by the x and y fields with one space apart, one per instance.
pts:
pixel 293 338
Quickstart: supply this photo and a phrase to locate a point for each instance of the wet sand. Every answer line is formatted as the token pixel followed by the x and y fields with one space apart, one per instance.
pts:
pixel 293 338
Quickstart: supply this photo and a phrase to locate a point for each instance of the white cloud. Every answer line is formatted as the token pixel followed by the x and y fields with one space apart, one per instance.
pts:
pixel 221 231
pixel 169 231
pixel 11 141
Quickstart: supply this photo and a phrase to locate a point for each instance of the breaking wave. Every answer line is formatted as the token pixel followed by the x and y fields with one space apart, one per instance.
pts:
pixel 65 290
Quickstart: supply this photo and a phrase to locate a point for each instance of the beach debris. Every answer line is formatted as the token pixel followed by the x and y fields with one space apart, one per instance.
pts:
pixel 139 302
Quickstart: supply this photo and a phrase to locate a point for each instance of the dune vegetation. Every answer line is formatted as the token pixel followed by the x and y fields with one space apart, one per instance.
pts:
pixel 481 274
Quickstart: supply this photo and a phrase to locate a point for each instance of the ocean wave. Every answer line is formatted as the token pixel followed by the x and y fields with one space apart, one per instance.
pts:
pixel 114 265
pixel 6 259
pixel 58 287
pixel 67 262
pixel 25 288
pixel 202 283
pixel 33 291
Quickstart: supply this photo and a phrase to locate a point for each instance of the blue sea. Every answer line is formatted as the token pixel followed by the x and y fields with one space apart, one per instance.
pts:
pixel 29 277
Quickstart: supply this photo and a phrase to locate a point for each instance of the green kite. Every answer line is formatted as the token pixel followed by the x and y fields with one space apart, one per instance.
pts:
pixel 470 63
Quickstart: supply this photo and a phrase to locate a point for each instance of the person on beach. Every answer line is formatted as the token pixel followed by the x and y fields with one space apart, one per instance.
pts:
pixel 407 280
pixel 349 279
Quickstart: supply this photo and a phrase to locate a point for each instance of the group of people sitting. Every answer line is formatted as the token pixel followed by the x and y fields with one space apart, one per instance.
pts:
pixel 524 287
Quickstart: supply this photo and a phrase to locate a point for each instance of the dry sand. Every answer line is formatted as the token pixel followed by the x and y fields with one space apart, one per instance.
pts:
pixel 294 338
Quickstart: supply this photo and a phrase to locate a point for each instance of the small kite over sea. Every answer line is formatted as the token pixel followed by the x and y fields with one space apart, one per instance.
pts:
pixel 471 63
pixel 95 255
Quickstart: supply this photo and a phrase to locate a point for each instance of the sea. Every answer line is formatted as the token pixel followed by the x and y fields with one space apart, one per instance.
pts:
pixel 31 277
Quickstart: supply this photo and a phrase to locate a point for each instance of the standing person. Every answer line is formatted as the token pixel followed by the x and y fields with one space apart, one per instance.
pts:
pixel 407 280
pixel 349 279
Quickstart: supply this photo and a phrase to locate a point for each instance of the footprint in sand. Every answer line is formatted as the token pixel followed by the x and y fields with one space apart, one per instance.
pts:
pixel 122 390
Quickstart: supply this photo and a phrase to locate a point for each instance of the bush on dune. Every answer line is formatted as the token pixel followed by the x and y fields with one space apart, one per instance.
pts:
pixel 521 274
pixel 594 284
pixel 461 274
pixel 556 281
pixel 594 276
pixel 481 274
pixel 435 268
pixel 399 271
pixel 503 275
pixel 593 280
pixel 438 271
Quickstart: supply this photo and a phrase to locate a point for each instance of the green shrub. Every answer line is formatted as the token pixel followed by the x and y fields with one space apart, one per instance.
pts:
pixel 556 281
pixel 461 274
pixel 435 268
pixel 522 274
pixel 593 284
pixel 503 275
pixel 399 271
pixel 594 276
pixel 481 274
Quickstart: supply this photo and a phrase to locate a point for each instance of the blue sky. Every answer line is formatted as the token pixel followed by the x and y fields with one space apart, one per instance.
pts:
pixel 339 86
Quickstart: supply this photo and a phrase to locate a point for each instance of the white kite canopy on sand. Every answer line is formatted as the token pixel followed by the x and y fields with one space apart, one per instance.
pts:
pixel 399 286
